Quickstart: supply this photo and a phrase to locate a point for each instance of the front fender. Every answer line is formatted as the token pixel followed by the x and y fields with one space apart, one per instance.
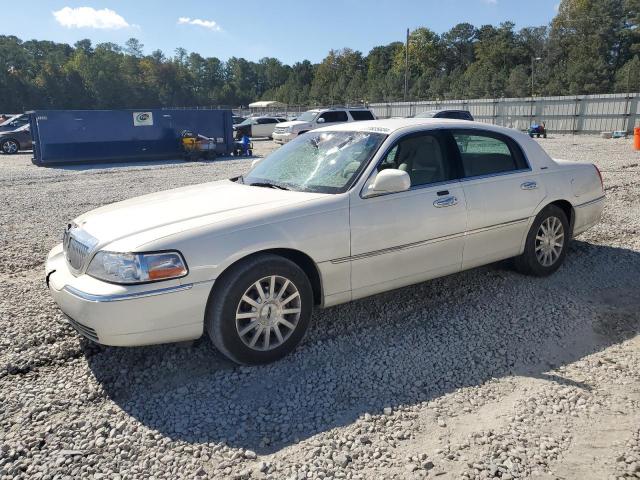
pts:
pixel 322 236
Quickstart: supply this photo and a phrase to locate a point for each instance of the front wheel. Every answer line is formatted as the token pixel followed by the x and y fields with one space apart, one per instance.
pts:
pixel 546 245
pixel 259 310
pixel 9 147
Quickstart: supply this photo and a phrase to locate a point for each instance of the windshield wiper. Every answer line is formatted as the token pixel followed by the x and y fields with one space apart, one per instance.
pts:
pixel 268 185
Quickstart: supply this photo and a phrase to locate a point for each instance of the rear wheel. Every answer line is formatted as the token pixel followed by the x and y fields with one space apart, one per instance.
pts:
pixel 546 245
pixel 9 146
pixel 259 310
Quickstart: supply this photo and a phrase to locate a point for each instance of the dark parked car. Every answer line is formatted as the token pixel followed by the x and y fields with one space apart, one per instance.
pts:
pixel 13 141
pixel 453 114
pixel 14 122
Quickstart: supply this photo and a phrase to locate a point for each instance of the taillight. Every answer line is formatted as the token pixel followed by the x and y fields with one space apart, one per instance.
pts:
pixel 600 177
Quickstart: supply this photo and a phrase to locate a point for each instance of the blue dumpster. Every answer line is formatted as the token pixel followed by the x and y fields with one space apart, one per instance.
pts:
pixel 93 136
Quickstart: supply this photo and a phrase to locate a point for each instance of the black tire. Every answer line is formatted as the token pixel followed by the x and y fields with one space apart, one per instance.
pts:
pixel 10 146
pixel 225 301
pixel 529 262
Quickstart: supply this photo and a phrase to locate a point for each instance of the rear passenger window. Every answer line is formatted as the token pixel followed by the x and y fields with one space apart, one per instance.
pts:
pixel 358 115
pixel 332 117
pixel 423 157
pixel 488 153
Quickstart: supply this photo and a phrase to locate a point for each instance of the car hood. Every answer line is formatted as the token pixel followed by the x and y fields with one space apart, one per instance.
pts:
pixel 173 211
pixel 295 123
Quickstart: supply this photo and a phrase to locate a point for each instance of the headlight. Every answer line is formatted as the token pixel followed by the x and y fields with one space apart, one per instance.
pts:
pixel 128 268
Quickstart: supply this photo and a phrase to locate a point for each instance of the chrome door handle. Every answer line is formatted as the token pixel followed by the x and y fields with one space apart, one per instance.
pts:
pixel 529 186
pixel 445 202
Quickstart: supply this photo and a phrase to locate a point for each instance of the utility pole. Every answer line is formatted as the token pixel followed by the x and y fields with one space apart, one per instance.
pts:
pixel 533 68
pixel 406 67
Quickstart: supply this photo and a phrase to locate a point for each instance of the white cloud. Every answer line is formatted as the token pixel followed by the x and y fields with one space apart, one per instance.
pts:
pixel 210 24
pixel 88 17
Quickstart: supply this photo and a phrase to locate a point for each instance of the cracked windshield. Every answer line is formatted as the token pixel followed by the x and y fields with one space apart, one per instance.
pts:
pixel 325 162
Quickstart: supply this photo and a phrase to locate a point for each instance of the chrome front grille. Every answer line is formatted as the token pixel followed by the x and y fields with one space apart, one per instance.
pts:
pixel 280 130
pixel 77 247
pixel 76 253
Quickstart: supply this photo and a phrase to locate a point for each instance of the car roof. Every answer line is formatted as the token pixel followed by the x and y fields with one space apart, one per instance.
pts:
pixel 328 109
pixel 392 125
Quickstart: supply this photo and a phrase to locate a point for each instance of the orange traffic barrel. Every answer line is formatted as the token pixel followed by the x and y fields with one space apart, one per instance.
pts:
pixel 636 138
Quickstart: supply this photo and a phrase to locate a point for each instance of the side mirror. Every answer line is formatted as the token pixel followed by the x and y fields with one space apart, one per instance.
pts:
pixel 320 120
pixel 390 180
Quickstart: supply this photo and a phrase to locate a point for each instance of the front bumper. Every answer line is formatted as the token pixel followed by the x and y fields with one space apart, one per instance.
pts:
pixel 170 311
pixel 283 137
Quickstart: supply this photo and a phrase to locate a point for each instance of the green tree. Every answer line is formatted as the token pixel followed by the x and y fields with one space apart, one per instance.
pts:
pixel 518 84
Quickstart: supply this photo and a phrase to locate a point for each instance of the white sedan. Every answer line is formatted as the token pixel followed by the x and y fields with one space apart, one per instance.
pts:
pixel 337 214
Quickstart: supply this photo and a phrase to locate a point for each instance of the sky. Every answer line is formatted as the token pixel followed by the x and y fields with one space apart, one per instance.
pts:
pixel 286 29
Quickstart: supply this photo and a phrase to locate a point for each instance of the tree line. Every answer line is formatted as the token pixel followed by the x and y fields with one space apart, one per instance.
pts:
pixel 591 46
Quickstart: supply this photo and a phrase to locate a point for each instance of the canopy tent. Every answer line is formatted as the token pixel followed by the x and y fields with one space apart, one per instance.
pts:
pixel 267 104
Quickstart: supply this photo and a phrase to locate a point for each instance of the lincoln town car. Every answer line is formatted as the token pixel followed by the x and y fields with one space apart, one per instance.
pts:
pixel 337 214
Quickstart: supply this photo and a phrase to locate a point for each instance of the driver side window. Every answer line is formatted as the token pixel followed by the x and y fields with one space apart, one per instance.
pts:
pixel 423 157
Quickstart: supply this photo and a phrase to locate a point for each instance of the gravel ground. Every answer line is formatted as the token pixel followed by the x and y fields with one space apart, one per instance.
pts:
pixel 478 375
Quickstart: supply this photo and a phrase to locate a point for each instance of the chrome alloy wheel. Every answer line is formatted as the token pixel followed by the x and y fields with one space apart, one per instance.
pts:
pixel 549 241
pixel 268 313
pixel 10 146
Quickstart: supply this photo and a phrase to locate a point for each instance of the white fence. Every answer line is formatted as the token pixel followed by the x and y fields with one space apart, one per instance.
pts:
pixel 569 114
